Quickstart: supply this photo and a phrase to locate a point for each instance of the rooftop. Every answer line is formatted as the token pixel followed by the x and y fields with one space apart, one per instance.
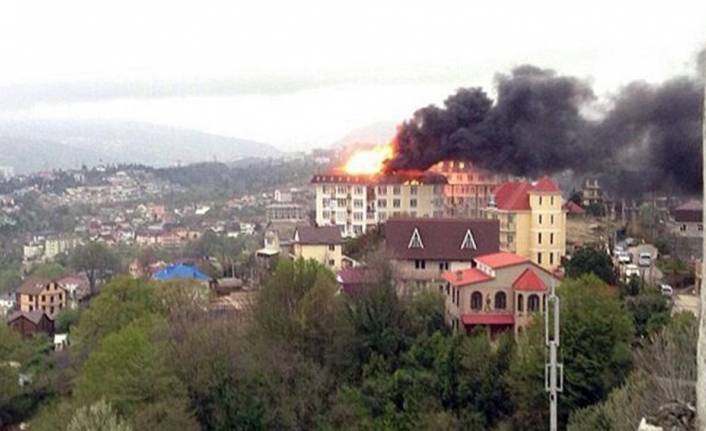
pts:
pixel 465 276
pixel 501 260
pixel 488 319
pixel 337 176
pixel 318 235
pixel 529 281
pixel 514 195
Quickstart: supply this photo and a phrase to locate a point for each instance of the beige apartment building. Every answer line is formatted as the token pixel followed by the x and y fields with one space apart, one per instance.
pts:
pixel 469 189
pixel 323 244
pixel 39 294
pixel 532 220
pixel 355 203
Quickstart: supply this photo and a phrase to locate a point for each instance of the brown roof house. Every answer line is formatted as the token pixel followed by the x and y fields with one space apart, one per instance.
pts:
pixel 321 243
pixel 501 291
pixel 28 323
pixel 422 249
pixel 40 294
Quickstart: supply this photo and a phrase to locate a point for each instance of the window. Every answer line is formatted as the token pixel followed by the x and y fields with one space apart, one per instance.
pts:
pixel 341 190
pixel 382 190
pixel 413 203
pixel 551 219
pixel 551 258
pixel 396 214
pixel 395 203
pixel 551 200
pixel 44 298
pixel 396 190
pixel 682 228
pixel 416 240
pixel 540 200
pixel 31 308
pixel 539 238
pixel 358 216
pixel 357 203
pixel 325 202
pixel 382 203
pixel 520 303
pixel 60 296
pixel 551 238
pixel 331 262
pixel 500 301
pixel 331 247
pixel 468 241
pixel 413 190
pixel 443 266
pixel 700 228
pixel 341 202
pixel 420 264
pixel 51 310
pixel 510 239
pixel 540 219
pixel 476 301
pixel 326 214
pixel 382 216
pixel 359 190
pixel 539 258
pixel 510 219
pixel 51 299
pixel 324 189
pixel 533 303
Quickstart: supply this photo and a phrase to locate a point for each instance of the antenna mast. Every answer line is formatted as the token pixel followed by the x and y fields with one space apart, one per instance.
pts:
pixel 553 371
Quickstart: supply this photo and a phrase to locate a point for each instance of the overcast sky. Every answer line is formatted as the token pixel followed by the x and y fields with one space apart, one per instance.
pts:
pixel 301 74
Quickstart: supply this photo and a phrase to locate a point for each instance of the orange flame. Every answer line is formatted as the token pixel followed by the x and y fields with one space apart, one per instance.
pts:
pixel 368 162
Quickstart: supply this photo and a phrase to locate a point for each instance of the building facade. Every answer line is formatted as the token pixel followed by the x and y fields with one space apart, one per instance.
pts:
pixel 43 295
pixel 421 250
pixel 592 193
pixel 469 189
pixel 500 292
pixel 284 212
pixel 324 244
pixel 355 203
pixel 532 220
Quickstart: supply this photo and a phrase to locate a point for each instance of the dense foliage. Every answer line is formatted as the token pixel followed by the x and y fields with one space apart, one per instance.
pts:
pixel 587 260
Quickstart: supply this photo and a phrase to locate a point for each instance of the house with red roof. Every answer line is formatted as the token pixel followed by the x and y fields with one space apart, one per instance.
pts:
pixel 532 220
pixel 421 249
pixel 500 292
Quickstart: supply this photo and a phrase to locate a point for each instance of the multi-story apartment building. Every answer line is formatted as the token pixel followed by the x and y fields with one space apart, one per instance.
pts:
pixel 284 212
pixel 356 202
pixel 502 291
pixel 44 295
pixel 532 220
pixel 55 246
pixel 592 192
pixel 469 188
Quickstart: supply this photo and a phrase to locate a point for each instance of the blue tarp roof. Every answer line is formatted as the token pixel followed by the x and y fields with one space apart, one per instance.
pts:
pixel 180 271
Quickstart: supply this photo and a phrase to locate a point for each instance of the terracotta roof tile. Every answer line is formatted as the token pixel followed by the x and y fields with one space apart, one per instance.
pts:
pixel 488 319
pixel 529 281
pixel 32 286
pixel 465 277
pixel 501 260
pixel 545 184
pixel 513 195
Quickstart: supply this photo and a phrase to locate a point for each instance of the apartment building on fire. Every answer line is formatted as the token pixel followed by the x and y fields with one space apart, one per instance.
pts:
pixel 469 189
pixel 355 203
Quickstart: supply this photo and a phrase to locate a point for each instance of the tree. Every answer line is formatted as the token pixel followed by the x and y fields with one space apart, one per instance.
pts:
pixel 97 416
pixel 576 197
pixel 96 260
pixel 587 260
pixel 596 332
pixel 50 271
pixel 66 318
pixel 10 279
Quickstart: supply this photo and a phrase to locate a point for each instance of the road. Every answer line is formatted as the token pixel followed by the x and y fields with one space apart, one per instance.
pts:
pixel 652 275
pixel 686 302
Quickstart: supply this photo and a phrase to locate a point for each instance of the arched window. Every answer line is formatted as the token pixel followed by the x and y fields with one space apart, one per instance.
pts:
pixel 520 303
pixel 476 301
pixel 533 303
pixel 500 301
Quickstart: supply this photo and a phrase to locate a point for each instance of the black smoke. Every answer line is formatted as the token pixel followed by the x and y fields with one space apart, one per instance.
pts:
pixel 649 139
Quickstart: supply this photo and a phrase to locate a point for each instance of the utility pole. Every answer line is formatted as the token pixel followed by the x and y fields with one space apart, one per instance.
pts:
pixel 553 371
pixel 701 346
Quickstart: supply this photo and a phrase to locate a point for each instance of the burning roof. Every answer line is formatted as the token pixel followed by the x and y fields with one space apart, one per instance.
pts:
pixel 339 176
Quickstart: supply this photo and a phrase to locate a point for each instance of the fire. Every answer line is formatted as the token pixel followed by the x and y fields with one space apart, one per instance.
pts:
pixel 368 162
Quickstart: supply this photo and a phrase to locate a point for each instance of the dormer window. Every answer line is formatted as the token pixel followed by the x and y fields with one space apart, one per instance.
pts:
pixel 415 241
pixel 469 243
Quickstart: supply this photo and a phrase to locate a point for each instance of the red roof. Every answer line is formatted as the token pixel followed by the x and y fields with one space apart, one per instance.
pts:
pixel 488 319
pixel 574 208
pixel 501 259
pixel 514 195
pixel 465 277
pixel 545 184
pixel 529 281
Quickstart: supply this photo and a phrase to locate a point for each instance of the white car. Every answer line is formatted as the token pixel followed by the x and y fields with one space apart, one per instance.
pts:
pixel 666 290
pixel 624 257
pixel 631 270
pixel 645 259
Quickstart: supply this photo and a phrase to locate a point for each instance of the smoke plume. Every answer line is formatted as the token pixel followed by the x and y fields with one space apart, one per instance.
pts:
pixel 649 138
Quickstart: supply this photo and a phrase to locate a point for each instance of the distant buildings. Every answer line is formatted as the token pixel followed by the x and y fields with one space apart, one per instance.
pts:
pixel 285 212
pixel 354 203
pixel 322 244
pixel 592 193
pixel 532 220
pixel 469 189
pixel 41 295
pixel 28 323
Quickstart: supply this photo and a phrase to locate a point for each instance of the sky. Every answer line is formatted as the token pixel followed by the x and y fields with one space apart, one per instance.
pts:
pixel 302 74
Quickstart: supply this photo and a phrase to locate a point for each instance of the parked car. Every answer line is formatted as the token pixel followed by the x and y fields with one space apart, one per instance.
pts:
pixel 666 290
pixel 618 249
pixel 624 257
pixel 631 270
pixel 645 259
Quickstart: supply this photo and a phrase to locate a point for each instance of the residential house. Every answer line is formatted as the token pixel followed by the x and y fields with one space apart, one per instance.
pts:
pixel 28 323
pixel 353 281
pixel 687 229
pixel 592 193
pixel 421 249
pixel 502 291
pixel 77 288
pixel 323 244
pixel 40 294
pixel 532 220
pixel 182 271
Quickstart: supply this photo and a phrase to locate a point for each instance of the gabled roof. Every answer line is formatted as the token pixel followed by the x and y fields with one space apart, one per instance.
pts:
pixel 465 277
pixel 501 260
pixel 546 185
pixel 33 286
pixel 573 208
pixel 358 276
pixel 514 195
pixel 442 238
pixel 690 212
pixel 318 235
pixel 488 319
pixel 529 281
pixel 180 271
pixel 33 316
